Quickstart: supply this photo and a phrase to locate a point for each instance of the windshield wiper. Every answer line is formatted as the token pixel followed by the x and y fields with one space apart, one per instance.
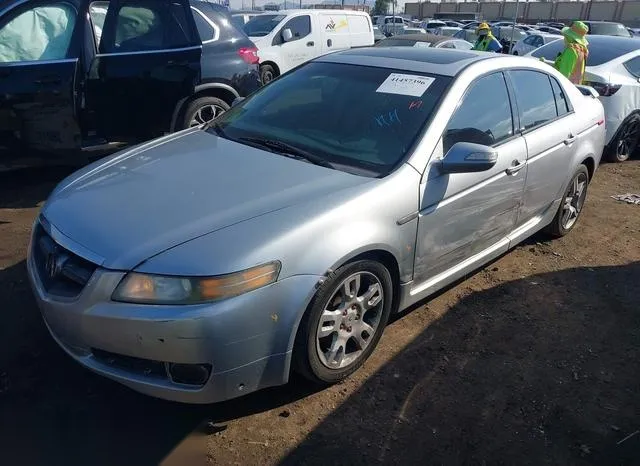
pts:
pixel 288 150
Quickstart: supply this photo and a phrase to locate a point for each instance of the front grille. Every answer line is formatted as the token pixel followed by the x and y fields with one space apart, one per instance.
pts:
pixel 61 272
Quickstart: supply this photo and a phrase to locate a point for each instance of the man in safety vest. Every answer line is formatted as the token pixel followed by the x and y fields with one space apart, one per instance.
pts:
pixel 486 41
pixel 573 59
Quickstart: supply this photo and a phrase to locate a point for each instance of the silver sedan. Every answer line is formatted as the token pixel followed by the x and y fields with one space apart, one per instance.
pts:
pixel 210 263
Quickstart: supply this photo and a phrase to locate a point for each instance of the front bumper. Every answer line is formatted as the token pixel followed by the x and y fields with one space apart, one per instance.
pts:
pixel 246 341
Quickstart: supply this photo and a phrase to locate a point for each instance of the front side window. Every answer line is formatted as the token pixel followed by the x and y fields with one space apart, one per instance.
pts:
pixel 36 34
pixel 300 26
pixel 483 116
pixel 536 108
pixel 529 40
pixel 357 118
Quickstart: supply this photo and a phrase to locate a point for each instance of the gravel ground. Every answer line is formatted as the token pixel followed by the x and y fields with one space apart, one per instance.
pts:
pixel 532 360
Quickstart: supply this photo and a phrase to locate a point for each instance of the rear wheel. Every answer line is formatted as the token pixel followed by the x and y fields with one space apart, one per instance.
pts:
pixel 626 141
pixel 203 110
pixel 344 322
pixel 267 74
pixel 571 205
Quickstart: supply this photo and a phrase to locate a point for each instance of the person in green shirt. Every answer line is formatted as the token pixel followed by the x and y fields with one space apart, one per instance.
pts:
pixel 486 40
pixel 572 60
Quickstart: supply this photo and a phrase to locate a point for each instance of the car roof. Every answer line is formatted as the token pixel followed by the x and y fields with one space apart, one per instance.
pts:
pixel 446 62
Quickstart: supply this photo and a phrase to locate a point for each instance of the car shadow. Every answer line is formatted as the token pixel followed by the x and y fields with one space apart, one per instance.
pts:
pixel 542 370
pixel 28 187
pixel 54 412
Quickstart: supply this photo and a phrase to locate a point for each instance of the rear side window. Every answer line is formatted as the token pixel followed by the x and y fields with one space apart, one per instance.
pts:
pixel 39 33
pixel 633 66
pixel 206 31
pixel 142 25
pixel 483 116
pixel 536 108
pixel 562 106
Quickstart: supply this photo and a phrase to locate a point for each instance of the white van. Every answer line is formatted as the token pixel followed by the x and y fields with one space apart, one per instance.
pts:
pixel 286 39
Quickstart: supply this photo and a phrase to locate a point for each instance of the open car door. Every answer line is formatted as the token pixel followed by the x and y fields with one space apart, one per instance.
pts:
pixel 39 50
pixel 148 61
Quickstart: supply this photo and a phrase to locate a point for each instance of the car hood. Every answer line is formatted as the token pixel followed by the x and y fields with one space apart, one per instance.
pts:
pixel 164 193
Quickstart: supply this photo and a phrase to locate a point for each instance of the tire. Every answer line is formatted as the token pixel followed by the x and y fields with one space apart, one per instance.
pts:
pixel 202 110
pixel 625 142
pixel 312 356
pixel 515 53
pixel 267 74
pixel 572 203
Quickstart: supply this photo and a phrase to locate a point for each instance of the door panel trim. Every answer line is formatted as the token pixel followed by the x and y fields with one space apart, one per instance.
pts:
pixel 145 52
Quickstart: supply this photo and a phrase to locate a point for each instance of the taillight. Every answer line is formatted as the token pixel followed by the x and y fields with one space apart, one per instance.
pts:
pixel 249 55
pixel 604 89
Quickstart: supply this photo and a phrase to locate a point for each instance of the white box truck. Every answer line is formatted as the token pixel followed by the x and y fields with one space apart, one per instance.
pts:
pixel 286 39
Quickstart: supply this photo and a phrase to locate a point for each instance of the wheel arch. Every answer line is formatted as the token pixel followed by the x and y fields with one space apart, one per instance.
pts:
pixel 219 90
pixel 590 162
pixel 273 64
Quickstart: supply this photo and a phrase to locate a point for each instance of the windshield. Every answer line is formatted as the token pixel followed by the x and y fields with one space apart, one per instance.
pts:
pixel 360 119
pixel 262 25
pixel 599 51
pixel 609 29
pixel 402 43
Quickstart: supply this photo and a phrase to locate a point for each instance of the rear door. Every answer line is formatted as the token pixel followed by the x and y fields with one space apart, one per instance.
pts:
pixel 40 44
pixel 547 125
pixel 147 61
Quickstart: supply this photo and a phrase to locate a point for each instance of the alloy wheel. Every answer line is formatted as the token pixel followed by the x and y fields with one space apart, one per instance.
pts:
pixel 205 114
pixel 627 141
pixel 574 201
pixel 350 320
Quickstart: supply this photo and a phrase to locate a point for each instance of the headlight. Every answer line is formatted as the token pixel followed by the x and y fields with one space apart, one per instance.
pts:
pixel 164 289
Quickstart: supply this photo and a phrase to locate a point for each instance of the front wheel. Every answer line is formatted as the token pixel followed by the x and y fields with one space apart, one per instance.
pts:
pixel 571 205
pixel 344 322
pixel 626 141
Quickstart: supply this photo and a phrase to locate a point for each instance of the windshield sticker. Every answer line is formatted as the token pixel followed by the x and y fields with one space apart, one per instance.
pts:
pixel 405 84
pixel 388 119
pixel 422 44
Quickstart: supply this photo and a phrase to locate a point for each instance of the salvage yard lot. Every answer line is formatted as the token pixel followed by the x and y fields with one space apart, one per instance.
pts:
pixel 533 360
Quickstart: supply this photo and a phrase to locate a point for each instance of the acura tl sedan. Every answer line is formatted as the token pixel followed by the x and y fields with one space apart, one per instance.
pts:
pixel 212 262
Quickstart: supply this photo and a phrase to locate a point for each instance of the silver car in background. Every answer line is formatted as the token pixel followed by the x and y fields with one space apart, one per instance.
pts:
pixel 209 263
pixel 613 69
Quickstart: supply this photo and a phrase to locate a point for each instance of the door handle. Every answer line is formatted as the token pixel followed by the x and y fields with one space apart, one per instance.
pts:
pixel 570 140
pixel 310 43
pixel 517 166
pixel 329 42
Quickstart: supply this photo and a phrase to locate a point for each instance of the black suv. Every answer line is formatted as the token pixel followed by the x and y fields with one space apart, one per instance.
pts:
pixel 81 75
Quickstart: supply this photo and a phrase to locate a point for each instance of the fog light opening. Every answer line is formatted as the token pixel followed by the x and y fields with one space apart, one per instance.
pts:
pixel 189 374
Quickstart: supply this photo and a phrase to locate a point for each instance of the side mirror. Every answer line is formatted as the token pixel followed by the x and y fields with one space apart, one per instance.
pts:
pixel 467 157
pixel 287 35
pixel 237 100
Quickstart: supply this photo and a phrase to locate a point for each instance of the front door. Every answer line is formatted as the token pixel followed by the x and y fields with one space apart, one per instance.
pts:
pixel 302 46
pixel 464 214
pixel 39 50
pixel 148 61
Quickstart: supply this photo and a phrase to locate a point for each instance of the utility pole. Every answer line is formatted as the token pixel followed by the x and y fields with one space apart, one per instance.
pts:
pixel 513 27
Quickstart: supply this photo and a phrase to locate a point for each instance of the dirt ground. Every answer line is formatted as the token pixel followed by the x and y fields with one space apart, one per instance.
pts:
pixel 532 360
